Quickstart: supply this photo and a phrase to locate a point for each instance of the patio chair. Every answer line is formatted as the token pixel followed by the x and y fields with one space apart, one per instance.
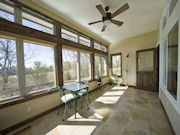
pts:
pixel 66 98
pixel 83 92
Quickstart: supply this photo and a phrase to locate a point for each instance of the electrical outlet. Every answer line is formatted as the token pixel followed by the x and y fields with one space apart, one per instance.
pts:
pixel 29 109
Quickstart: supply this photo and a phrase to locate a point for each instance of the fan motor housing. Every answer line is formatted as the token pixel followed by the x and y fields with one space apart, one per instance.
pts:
pixel 108 16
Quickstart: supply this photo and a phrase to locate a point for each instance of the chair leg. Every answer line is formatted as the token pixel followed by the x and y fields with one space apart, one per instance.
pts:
pixel 87 101
pixel 65 109
pixel 81 102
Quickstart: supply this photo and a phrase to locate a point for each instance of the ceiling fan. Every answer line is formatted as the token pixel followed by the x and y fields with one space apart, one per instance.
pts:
pixel 107 16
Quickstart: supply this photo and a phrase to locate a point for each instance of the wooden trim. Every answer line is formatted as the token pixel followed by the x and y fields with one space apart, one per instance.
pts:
pixel 27 121
pixel 115 54
pixel 26 98
pixel 23 7
pixel 10 28
pixel 172 129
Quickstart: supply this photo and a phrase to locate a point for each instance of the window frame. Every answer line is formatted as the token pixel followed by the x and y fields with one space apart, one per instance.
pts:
pixel 116 54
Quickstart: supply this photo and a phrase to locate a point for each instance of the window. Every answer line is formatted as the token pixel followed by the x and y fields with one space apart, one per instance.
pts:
pixel 39 68
pixel 66 34
pixel 103 66
pixel 172 60
pixel 70 66
pixel 8 69
pixel 172 5
pixel 103 48
pixel 6 12
pixel 37 23
pixel 85 66
pixel 97 67
pixel 100 66
pixel 116 60
pixel 84 41
pixel 97 46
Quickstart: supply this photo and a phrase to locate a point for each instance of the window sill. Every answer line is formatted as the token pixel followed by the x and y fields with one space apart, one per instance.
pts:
pixel 20 99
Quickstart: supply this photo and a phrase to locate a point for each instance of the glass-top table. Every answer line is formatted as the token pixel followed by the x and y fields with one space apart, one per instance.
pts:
pixel 75 88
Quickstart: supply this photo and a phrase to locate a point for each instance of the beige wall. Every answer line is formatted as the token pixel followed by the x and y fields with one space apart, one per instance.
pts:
pixel 171 105
pixel 130 46
pixel 22 111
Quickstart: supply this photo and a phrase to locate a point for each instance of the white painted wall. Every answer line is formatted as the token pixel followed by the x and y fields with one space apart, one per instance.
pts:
pixel 171 105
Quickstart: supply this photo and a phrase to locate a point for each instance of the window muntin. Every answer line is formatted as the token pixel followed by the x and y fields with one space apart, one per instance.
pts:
pixel 116 64
pixel 36 23
pixel 69 35
pixel 6 12
pixel 8 69
pixel 84 41
pixel 97 46
pixel 39 68
pixel 70 66
pixel 103 66
pixel 172 60
pixel 85 66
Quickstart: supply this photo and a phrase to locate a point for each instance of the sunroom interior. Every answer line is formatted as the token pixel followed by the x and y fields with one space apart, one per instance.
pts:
pixel 62 72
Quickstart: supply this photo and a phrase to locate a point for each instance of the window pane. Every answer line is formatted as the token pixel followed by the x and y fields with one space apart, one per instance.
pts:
pixel 103 48
pixel 97 67
pixel 172 60
pixel 103 66
pixel 70 64
pixel 85 66
pixel 97 46
pixel 116 65
pixel 164 61
pixel 6 12
pixel 39 68
pixel 69 35
pixel 172 5
pixel 143 64
pixel 8 69
pixel 36 23
pixel 84 41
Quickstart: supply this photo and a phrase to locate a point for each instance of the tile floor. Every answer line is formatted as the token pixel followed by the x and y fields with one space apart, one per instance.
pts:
pixel 113 111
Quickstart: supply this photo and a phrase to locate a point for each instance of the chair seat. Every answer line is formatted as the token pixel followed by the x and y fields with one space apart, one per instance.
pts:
pixel 82 92
pixel 68 97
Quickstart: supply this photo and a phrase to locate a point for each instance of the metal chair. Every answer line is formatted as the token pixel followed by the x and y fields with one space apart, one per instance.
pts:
pixel 83 92
pixel 66 98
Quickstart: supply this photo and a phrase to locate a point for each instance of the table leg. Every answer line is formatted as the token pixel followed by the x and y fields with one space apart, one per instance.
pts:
pixel 87 100
pixel 75 107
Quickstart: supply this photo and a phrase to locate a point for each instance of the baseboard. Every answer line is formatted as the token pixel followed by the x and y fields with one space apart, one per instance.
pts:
pixel 27 121
pixel 172 129
pixel 128 85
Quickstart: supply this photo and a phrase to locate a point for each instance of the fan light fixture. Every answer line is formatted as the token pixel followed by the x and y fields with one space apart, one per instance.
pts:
pixel 107 22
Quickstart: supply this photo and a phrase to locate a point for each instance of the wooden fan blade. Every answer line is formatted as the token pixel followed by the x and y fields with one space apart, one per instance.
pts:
pixel 119 23
pixel 101 10
pixel 104 28
pixel 95 22
pixel 120 10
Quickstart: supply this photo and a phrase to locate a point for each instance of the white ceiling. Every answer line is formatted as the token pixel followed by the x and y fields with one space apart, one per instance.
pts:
pixel 142 16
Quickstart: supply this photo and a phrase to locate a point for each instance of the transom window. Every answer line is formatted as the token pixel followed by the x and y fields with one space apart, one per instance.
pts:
pixel 66 34
pixel 84 41
pixel 37 23
pixel 6 12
